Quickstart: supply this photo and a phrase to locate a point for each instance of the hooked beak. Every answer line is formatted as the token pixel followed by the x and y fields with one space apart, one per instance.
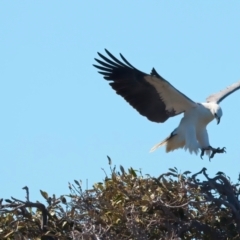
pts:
pixel 217 118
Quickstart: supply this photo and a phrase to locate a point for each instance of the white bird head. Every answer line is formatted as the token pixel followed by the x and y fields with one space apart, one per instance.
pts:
pixel 216 111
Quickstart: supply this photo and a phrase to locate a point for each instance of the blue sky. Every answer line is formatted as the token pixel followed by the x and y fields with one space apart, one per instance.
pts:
pixel 60 119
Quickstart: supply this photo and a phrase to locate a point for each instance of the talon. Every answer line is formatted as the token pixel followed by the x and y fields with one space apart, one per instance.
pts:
pixel 217 150
pixel 211 156
pixel 214 151
pixel 202 153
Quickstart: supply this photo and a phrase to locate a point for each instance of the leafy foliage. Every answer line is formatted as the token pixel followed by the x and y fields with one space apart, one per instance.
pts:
pixel 128 205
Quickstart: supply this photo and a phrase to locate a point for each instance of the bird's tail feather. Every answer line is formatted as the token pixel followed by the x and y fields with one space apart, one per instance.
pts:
pixel 164 142
pixel 172 142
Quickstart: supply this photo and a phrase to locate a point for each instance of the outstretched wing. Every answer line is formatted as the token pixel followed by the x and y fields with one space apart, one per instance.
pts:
pixel 151 95
pixel 218 97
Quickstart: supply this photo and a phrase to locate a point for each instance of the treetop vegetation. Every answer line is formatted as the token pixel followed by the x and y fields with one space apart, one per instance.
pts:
pixel 130 205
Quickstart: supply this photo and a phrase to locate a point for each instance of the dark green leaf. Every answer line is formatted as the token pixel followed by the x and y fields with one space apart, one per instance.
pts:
pixel 64 201
pixel 77 182
pixel 44 194
pixel 132 172
pixel 122 169
pixel 109 160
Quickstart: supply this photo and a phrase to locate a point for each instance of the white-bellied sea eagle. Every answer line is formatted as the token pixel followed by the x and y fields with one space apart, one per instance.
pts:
pixel 155 98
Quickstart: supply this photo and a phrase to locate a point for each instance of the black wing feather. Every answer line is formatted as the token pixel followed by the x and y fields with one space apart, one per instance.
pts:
pixel 115 59
pixel 108 60
pixel 130 83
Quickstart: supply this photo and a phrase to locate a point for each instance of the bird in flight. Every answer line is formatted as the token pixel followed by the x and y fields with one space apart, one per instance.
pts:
pixel 155 98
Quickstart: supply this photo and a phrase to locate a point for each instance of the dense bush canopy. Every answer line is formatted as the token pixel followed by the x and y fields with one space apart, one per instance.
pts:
pixel 129 205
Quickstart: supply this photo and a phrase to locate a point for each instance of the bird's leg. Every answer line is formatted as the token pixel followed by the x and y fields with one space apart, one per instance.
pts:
pixel 214 151
pixel 203 151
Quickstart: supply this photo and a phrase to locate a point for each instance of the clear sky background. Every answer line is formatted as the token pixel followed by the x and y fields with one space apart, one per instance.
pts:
pixel 60 119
